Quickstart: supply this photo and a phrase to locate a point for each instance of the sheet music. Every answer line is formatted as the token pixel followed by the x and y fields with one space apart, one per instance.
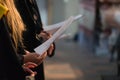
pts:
pixel 54 27
pixel 44 47
pixel 64 36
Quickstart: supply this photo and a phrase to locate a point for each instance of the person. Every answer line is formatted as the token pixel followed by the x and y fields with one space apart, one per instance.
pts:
pixel 117 48
pixel 112 44
pixel 13 58
pixel 8 58
pixel 33 36
pixel 103 42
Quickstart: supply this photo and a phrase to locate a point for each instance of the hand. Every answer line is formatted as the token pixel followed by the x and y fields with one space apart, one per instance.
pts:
pixel 42 57
pixel 45 36
pixel 34 57
pixel 31 57
pixel 50 50
pixel 27 67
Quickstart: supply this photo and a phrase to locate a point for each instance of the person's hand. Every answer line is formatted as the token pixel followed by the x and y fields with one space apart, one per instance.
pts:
pixel 42 57
pixel 34 57
pixel 31 57
pixel 50 50
pixel 27 68
pixel 45 36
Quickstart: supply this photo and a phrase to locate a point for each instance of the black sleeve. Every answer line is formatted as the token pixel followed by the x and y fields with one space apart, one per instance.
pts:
pixel 33 26
pixel 20 52
pixel 21 59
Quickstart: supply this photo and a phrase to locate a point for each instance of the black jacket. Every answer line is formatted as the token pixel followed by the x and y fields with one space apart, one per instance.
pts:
pixel 10 67
pixel 29 12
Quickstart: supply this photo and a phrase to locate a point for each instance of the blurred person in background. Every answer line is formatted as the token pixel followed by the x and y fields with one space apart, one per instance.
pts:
pixel 34 34
pixel 117 46
pixel 112 43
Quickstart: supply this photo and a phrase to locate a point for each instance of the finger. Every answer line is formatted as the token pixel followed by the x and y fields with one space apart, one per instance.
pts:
pixel 50 35
pixel 42 57
pixel 50 49
pixel 51 46
pixel 29 66
pixel 33 74
pixel 47 34
pixel 28 70
pixel 27 52
pixel 32 65
pixel 44 54
pixel 36 55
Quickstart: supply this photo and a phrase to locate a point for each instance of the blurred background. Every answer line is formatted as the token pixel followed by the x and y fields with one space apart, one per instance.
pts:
pixel 91 51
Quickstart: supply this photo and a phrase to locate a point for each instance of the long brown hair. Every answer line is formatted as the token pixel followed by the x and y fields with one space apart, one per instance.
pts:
pixel 14 21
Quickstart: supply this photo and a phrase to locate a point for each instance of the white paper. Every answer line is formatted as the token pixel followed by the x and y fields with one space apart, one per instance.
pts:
pixel 44 47
pixel 52 28
pixel 64 36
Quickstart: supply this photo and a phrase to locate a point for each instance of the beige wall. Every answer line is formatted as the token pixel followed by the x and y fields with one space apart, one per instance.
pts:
pixel 72 9
pixel 43 10
pixel 59 10
pixel 62 9
pixel 58 13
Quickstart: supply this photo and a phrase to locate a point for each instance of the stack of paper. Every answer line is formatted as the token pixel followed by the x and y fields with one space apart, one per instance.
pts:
pixel 52 28
pixel 44 47
pixel 62 27
pixel 64 36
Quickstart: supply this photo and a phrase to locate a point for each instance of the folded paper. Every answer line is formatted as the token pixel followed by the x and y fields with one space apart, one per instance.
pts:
pixel 63 26
pixel 52 28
